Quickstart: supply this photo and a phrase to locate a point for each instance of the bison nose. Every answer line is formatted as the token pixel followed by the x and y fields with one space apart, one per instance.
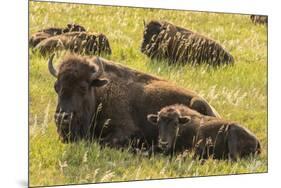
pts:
pixel 63 117
pixel 163 143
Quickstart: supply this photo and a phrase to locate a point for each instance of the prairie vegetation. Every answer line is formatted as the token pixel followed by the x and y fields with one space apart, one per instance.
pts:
pixel 237 92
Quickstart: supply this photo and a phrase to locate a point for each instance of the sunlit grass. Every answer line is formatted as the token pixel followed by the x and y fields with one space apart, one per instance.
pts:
pixel 237 92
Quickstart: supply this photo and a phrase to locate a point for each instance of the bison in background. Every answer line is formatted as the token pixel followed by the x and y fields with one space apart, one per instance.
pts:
pixel 52 31
pixel 98 98
pixel 163 40
pixel 181 128
pixel 77 42
pixel 257 19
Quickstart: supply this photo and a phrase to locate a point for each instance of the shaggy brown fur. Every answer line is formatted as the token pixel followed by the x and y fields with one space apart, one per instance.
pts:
pixel 256 19
pixel 52 31
pixel 163 40
pixel 180 127
pixel 120 107
pixel 78 42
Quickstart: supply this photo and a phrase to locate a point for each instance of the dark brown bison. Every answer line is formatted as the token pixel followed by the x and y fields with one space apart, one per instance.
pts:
pixel 77 42
pixel 101 99
pixel 257 19
pixel 181 127
pixel 163 40
pixel 52 31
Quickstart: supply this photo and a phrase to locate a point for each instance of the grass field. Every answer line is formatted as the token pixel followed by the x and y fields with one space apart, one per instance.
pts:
pixel 238 93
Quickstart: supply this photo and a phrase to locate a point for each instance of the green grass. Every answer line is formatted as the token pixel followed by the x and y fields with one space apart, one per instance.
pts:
pixel 238 93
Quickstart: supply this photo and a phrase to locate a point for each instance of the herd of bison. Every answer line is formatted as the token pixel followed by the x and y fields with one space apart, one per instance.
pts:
pixel 121 107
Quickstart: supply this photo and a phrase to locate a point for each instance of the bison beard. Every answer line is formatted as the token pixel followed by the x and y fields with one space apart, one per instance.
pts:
pixel 77 42
pixel 126 99
pixel 163 40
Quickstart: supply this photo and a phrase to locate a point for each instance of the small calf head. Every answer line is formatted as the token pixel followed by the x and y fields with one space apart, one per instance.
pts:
pixel 169 122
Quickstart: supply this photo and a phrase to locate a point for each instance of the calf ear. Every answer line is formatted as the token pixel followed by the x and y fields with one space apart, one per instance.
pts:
pixel 152 118
pixel 184 119
pixel 99 82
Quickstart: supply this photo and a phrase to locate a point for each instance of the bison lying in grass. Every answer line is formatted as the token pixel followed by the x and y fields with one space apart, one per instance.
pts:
pixel 77 42
pixel 98 98
pixel 163 40
pixel 257 19
pixel 52 31
pixel 182 128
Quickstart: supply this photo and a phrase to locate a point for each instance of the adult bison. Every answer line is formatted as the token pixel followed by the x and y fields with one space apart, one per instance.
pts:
pixel 163 40
pixel 77 42
pixel 43 34
pixel 181 128
pixel 101 99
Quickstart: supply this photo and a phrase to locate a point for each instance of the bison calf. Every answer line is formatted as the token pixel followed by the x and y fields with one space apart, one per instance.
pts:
pixel 181 127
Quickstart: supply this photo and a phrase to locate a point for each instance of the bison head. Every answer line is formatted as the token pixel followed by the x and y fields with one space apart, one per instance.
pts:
pixel 151 29
pixel 72 27
pixel 77 79
pixel 168 123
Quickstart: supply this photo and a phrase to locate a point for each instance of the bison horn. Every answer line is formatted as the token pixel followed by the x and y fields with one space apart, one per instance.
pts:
pixel 99 70
pixel 52 70
pixel 144 23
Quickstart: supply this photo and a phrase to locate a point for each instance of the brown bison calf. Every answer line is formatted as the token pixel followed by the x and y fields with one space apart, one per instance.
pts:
pixel 180 127
pixel 163 40
pixel 77 42
pixel 52 31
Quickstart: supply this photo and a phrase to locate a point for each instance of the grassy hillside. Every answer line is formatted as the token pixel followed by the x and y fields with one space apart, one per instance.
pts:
pixel 238 93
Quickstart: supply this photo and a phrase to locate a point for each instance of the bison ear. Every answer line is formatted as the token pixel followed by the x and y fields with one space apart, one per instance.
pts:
pixel 184 119
pixel 99 82
pixel 152 118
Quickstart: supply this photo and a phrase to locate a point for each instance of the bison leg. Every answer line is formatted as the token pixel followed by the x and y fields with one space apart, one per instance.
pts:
pixel 115 140
pixel 232 143
pixel 121 136
pixel 199 149
pixel 202 106
pixel 220 147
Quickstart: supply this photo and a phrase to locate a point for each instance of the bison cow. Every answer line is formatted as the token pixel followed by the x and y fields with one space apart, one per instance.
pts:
pixel 52 31
pixel 181 128
pixel 77 42
pixel 257 19
pixel 163 40
pixel 101 99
